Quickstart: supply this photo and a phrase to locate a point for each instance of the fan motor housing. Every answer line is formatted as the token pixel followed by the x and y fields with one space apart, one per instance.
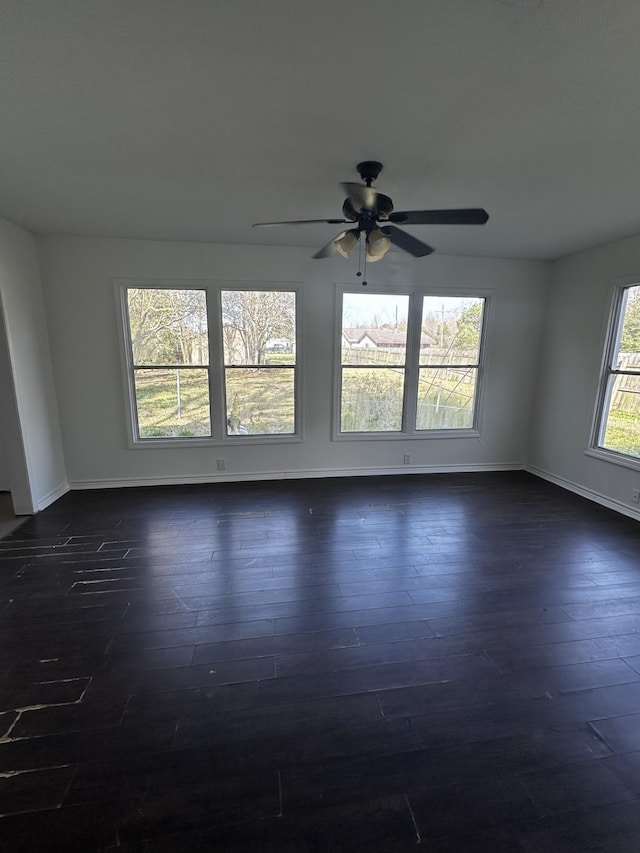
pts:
pixel 384 206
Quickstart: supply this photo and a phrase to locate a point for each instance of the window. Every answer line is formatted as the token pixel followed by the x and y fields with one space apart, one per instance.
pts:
pixel 258 329
pixel 373 362
pixel 210 362
pixel 409 363
pixel 618 417
pixel 170 362
pixel 449 362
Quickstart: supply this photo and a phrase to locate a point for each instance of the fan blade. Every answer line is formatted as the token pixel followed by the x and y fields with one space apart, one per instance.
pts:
pixel 329 248
pixel 302 222
pixel 360 196
pixel 461 216
pixel 405 241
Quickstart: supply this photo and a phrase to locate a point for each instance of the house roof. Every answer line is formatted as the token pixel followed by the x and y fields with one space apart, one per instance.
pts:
pixel 383 337
pixel 192 120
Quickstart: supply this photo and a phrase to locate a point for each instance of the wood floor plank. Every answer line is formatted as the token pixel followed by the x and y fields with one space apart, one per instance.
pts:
pixel 449 660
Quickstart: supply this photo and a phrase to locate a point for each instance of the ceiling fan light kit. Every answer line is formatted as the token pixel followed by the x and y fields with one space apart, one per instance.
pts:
pixel 370 211
pixel 377 245
pixel 346 243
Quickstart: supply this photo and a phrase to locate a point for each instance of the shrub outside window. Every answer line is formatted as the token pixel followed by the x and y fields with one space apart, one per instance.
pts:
pixel 618 413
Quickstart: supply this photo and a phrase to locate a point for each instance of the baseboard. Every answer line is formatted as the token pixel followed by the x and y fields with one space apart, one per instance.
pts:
pixel 52 496
pixel 228 477
pixel 307 474
pixel 590 494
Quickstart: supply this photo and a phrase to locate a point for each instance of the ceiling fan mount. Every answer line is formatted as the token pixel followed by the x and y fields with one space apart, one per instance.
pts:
pixel 369 170
pixel 371 212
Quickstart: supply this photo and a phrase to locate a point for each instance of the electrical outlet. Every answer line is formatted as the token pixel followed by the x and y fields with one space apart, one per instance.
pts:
pixel 222 465
pixel 407 459
pixel 635 496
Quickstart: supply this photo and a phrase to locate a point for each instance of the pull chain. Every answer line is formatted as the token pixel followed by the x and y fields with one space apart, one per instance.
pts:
pixel 359 273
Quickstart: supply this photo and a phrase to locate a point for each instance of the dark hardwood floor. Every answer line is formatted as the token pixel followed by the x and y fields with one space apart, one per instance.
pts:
pixel 447 662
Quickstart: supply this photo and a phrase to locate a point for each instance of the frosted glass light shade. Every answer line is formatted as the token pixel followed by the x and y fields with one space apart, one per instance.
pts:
pixel 377 245
pixel 347 243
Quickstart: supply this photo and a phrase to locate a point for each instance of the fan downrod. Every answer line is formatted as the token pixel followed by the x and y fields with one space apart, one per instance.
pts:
pixel 369 170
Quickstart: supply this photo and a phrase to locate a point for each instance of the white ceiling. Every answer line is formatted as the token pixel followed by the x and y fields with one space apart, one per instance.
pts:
pixel 191 119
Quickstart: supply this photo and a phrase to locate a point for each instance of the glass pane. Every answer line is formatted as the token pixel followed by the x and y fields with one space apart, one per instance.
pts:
pixel 374 328
pixel 260 401
pixel 172 403
pixel 259 326
pixel 451 329
pixel 445 398
pixel 168 326
pixel 371 400
pixel 622 427
pixel 628 356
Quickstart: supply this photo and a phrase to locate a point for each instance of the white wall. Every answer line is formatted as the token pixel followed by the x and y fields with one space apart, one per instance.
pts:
pixel 15 477
pixel 4 469
pixel 575 327
pixel 78 274
pixel 30 423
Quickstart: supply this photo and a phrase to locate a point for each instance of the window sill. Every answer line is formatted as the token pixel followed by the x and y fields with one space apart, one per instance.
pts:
pixel 422 435
pixel 614 457
pixel 227 441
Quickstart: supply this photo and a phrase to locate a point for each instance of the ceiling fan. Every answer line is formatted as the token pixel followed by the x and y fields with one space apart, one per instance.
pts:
pixel 370 211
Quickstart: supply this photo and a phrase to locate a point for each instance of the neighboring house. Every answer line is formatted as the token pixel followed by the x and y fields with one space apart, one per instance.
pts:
pixel 279 345
pixel 380 339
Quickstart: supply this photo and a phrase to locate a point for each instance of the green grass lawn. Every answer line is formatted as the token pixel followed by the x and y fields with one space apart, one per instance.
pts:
pixel 159 415
pixel 623 433
pixel 372 400
pixel 260 400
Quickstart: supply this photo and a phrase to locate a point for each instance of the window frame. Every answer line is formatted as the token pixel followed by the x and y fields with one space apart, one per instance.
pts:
pixel 337 418
pixel 216 367
pixel 295 367
pixel 608 370
pixel 408 429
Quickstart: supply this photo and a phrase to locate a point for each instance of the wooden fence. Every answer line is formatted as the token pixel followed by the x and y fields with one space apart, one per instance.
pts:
pixel 626 395
pixel 395 356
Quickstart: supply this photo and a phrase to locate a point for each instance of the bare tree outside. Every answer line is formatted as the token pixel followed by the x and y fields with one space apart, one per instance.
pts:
pixel 259 342
pixel 170 353
pixel 168 326
pixel 170 349
pixel 252 319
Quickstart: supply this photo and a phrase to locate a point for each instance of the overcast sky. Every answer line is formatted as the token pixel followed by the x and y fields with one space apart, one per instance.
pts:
pixel 361 309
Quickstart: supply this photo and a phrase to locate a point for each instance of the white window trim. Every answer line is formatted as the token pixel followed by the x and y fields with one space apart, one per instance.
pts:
pixel 611 337
pixel 213 289
pixel 409 409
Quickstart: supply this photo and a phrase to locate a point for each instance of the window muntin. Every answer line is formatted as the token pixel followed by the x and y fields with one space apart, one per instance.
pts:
pixel 259 346
pixel 449 362
pixel 168 337
pixel 618 422
pixel 409 364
